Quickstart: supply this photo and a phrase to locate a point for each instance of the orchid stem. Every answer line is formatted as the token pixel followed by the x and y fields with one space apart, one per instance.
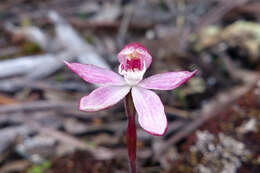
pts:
pixel 131 132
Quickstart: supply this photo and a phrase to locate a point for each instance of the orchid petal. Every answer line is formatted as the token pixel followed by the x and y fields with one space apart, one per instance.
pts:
pixel 166 81
pixel 96 75
pixel 151 115
pixel 141 50
pixel 103 97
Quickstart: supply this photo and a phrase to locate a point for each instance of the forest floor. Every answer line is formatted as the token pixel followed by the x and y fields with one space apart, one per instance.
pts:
pixel 214 119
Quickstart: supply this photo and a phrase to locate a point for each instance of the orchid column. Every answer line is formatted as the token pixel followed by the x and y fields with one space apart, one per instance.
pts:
pixel 134 60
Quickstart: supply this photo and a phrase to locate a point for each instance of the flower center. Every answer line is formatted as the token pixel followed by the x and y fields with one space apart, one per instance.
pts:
pixel 133 64
pixel 133 69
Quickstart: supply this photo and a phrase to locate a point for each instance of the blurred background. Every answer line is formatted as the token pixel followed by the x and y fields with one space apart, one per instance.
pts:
pixel 213 119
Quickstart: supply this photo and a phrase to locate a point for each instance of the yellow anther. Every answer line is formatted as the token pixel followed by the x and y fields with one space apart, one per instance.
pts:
pixel 133 55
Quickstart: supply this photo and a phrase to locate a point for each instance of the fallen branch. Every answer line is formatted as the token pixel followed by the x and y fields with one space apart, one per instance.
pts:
pixel 67 46
pixel 63 106
pixel 210 110
pixel 36 106
pixel 98 152
pixel 218 12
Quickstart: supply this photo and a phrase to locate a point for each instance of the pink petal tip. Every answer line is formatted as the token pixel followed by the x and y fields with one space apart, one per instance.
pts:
pixel 96 75
pixel 151 115
pixel 167 81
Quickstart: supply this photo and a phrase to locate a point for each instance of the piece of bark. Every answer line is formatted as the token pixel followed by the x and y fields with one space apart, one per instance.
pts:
pixel 9 134
pixel 218 103
pixel 69 39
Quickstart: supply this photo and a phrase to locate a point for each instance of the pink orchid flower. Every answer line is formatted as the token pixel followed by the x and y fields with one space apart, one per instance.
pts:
pixel 134 60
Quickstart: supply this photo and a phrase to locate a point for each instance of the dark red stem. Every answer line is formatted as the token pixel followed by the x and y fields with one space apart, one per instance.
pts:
pixel 131 132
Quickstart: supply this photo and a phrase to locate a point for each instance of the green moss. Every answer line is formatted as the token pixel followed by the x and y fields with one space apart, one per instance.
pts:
pixel 181 97
pixel 89 39
pixel 40 168
pixel 82 15
pixel 59 78
pixel 185 169
pixel 31 48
